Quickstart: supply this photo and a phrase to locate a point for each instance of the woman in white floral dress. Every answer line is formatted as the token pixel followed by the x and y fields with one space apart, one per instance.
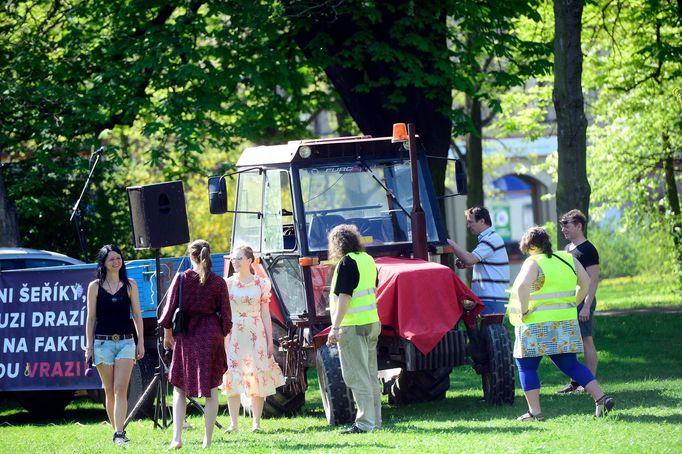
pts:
pixel 252 370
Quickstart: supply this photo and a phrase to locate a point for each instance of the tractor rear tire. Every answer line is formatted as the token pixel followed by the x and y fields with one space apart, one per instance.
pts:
pixel 336 397
pixel 283 403
pixel 411 387
pixel 498 380
pixel 45 403
pixel 140 377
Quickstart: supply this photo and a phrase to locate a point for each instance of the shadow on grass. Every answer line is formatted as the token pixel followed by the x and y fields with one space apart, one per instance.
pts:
pixel 70 416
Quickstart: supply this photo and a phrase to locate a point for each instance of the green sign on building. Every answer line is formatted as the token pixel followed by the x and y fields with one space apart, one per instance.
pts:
pixel 501 217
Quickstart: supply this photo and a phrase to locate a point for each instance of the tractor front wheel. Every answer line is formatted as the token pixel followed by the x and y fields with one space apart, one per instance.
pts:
pixel 498 378
pixel 336 397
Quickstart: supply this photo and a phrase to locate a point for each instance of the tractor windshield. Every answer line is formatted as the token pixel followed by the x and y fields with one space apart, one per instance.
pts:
pixel 375 196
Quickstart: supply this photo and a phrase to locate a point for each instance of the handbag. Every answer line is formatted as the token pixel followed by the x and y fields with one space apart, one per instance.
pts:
pixel 179 323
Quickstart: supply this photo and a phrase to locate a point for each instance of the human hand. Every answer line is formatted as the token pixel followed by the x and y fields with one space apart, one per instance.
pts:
pixel 271 349
pixel 88 353
pixel 140 350
pixel 460 264
pixel 168 342
pixel 584 314
pixel 333 337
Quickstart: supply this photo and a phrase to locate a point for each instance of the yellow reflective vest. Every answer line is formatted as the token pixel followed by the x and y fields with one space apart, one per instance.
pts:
pixel 362 308
pixel 555 301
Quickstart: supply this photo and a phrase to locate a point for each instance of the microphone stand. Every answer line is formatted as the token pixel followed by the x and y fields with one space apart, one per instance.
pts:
pixel 78 220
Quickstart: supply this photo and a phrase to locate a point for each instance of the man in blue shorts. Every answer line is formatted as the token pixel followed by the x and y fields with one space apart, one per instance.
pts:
pixel 490 277
pixel 573 225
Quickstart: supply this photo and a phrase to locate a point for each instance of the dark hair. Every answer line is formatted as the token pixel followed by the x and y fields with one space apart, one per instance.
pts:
pixel 200 250
pixel 101 271
pixel 479 213
pixel 343 239
pixel 248 253
pixel 536 237
pixel 576 217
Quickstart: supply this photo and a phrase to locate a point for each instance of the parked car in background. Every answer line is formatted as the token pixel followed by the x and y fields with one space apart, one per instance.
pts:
pixel 19 258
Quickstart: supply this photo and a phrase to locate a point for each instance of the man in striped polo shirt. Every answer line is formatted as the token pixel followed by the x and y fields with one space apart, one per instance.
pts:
pixel 490 278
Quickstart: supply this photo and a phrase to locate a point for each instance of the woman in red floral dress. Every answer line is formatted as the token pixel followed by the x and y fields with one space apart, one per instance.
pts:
pixel 252 370
pixel 199 360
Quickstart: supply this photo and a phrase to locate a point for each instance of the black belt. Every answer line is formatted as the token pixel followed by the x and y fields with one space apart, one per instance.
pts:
pixel 113 337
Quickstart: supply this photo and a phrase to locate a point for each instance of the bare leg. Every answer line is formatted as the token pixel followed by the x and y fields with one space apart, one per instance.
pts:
pixel 106 374
pixel 533 400
pixel 233 403
pixel 179 408
pixel 257 409
pixel 594 389
pixel 590 352
pixel 122 370
pixel 210 415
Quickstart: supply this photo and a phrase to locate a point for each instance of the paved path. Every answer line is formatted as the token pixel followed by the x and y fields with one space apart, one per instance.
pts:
pixel 645 310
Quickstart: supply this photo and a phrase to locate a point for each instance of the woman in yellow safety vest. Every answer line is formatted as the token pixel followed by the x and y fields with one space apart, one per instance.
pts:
pixel 542 309
pixel 355 324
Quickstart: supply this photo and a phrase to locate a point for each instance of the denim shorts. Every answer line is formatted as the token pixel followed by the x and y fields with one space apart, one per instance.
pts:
pixel 586 327
pixel 108 351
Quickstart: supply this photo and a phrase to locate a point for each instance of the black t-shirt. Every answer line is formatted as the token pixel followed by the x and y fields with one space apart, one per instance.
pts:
pixel 585 253
pixel 348 277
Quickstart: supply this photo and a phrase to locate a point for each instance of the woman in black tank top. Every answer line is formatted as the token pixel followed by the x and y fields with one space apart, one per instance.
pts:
pixel 109 333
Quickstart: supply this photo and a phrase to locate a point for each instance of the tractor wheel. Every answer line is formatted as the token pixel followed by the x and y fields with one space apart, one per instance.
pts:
pixel 140 377
pixel 44 403
pixel 283 403
pixel 336 397
pixel 411 387
pixel 498 380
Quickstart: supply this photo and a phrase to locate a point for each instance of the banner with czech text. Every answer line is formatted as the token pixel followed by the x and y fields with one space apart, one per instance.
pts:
pixel 42 330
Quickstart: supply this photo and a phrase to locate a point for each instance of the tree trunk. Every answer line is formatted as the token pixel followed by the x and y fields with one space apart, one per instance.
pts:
pixel 474 160
pixel 426 108
pixel 9 225
pixel 573 189
pixel 674 203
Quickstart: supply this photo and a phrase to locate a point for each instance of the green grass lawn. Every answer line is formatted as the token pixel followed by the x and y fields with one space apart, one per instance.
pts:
pixel 640 365
pixel 638 292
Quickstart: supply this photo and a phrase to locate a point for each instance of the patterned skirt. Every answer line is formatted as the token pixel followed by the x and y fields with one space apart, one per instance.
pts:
pixel 547 338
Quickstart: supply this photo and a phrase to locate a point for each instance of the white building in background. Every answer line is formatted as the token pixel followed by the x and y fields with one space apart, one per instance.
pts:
pixel 519 198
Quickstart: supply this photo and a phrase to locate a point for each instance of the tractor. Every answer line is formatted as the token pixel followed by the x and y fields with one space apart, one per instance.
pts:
pixel 288 197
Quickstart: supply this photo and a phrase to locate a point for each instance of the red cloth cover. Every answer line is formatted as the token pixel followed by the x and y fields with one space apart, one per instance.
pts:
pixel 421 300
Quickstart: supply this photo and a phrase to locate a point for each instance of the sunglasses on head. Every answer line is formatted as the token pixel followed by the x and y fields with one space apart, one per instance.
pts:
pixel 564 222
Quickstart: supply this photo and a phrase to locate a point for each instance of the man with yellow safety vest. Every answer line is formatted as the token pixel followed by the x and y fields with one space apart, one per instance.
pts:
pixel 542 309
pixel 355 324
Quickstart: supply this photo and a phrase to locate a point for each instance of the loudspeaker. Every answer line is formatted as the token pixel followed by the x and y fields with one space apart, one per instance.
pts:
pixel 158 215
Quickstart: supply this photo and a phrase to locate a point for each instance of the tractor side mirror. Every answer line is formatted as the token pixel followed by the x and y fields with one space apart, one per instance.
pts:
pixel 217 195
pixel 460 177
